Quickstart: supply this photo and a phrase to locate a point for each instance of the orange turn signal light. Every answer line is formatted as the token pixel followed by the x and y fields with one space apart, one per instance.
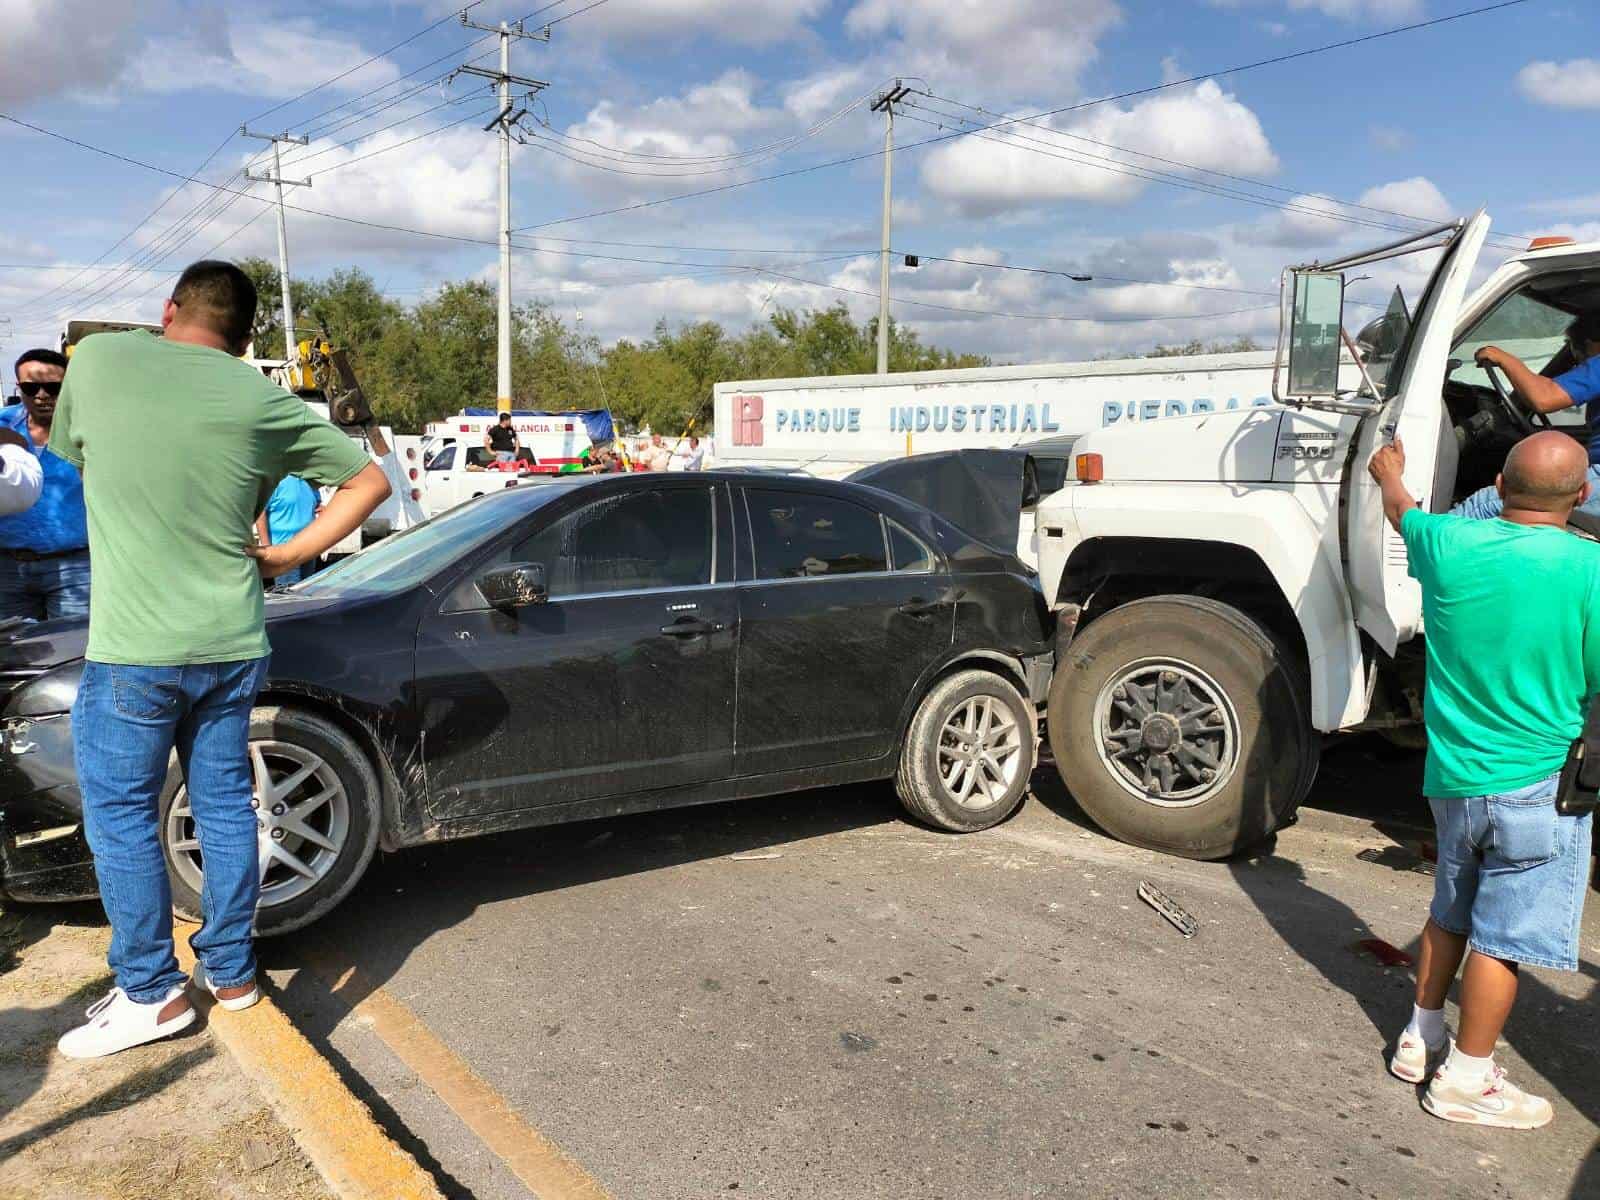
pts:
pixel 1544 243
pixel 1091 468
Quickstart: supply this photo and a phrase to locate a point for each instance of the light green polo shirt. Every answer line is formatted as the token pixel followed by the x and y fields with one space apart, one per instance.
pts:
pixel 1512 614
pixel 180 446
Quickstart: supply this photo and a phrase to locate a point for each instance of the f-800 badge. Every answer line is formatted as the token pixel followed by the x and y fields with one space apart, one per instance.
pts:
pixel 1314 451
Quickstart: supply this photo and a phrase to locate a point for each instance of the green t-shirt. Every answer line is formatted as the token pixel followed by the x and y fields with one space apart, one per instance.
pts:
pixel 180 446
pixel 1512 618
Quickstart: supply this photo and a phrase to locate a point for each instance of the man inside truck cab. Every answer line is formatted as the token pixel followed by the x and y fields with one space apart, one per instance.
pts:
pixel 1578 384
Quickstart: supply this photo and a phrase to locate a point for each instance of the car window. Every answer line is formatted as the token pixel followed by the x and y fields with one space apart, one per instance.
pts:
pixel 798 536
pixel 1522 324
pixel 443 460
pixel 640 540
pixel 908 552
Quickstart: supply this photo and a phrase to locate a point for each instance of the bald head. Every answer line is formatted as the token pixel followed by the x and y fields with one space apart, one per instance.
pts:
pixel 1545 473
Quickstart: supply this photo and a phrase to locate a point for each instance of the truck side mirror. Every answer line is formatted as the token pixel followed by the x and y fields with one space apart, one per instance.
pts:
pixel 514 586
pixel 1316 321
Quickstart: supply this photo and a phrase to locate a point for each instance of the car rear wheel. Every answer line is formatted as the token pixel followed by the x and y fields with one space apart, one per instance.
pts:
pixel 1179 724
pixel 316 805
pixel 968 753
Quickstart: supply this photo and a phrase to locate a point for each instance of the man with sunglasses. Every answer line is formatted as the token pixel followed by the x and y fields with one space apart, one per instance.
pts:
pixel 44 552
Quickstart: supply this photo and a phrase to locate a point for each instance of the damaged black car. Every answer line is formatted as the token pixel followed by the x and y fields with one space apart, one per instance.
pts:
pixel 590 648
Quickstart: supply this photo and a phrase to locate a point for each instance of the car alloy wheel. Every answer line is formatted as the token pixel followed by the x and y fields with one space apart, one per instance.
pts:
pixel 1167 732
pixel 980 752
pixel 302 822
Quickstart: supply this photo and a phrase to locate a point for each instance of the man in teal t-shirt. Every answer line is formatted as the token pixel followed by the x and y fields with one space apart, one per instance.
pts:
pixel 180 444
pixel 1511 610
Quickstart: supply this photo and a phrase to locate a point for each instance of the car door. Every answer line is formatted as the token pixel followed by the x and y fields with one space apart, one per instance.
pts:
pixel 1387 601
pixel 832 637
pixel 621 681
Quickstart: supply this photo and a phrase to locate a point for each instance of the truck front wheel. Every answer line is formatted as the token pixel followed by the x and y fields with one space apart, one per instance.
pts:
pixel 1179 724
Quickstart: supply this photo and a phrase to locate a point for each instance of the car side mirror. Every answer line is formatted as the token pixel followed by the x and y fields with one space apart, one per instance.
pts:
pixel 514 586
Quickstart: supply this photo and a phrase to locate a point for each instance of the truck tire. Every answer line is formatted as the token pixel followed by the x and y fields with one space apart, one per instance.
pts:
pixel 1180 725
pixel 968 753
pixel 328 821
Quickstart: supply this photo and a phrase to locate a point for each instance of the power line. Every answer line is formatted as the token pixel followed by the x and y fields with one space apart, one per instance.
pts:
pixel 855 158
pixel 570 15
pixel 1296 192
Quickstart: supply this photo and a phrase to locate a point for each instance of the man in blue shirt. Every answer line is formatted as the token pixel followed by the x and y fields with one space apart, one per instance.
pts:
pixel 1578 385
pixel 290 508
pixel 44 552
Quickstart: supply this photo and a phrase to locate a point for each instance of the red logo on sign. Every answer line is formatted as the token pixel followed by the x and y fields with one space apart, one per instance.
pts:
pixel 747 429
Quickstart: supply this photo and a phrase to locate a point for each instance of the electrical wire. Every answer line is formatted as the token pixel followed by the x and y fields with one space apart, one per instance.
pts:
pixel 945 137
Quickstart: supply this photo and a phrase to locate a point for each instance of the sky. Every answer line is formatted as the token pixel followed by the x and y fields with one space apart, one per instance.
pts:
pixel 643 189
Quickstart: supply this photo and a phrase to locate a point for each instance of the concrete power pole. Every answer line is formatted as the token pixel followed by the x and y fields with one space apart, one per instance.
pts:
pixel 885 104
pixel 503 79
pixel 279 182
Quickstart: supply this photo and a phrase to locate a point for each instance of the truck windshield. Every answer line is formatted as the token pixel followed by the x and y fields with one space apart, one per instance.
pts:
pixel 1524 325
pixel 406 560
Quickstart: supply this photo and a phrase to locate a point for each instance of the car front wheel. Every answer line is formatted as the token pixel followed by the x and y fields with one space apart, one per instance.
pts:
pixel 968 753
pixel 316 808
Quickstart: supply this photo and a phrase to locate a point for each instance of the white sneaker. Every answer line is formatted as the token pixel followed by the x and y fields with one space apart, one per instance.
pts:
pixel 118 1023
pixel 232 1003
pixel 1412 1059
pixel 1487 1100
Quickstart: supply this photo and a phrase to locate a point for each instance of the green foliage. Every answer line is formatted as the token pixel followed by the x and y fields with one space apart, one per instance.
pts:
pixel 420 363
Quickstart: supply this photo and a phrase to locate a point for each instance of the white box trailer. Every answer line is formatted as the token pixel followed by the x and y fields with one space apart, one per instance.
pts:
pixel 833 425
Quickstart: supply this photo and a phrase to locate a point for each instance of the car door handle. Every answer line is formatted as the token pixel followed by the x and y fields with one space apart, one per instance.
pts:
pixel 691 627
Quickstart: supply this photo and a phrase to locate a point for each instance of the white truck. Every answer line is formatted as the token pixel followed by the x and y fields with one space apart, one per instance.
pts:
pixel 456 465
pixel 833 425
pixel 1227 588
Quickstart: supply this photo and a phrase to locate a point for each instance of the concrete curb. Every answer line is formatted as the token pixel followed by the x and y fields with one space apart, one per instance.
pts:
pixel 336 1130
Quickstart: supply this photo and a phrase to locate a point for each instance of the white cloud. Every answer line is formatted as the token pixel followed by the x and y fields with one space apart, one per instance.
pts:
pixel 1572 84
pixel 1008 46
pixel 38 61
pixel 1414 197
pixel 748 22
pixel 1312 221
pixel 1571 206
pixel 1391 139
pixel 249 58
pixel 1390 11
pixel 1202 126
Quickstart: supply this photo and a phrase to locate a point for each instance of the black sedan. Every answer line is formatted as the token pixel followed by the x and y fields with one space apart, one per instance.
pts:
pixel 604 646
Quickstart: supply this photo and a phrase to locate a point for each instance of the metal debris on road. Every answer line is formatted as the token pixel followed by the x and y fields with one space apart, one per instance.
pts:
pixel 755 855
pixel 1168 908
pixel 1389 956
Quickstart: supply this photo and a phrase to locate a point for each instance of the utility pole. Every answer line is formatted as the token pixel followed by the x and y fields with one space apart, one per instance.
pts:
pixel 503 79
pixel 885 104
pixel 290 345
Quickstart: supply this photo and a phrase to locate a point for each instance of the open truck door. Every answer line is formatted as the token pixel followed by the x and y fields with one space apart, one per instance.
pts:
pixel 1409 404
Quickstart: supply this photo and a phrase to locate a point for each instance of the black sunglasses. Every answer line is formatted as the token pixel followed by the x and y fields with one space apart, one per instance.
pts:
pixel 31 389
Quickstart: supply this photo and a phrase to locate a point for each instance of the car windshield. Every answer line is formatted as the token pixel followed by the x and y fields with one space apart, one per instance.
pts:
pixel 404 561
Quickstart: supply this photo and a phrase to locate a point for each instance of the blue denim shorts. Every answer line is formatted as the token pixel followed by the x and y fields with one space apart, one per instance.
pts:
pixel 1513 874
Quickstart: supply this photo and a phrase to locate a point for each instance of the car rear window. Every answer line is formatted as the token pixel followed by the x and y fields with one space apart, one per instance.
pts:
pixel 800 536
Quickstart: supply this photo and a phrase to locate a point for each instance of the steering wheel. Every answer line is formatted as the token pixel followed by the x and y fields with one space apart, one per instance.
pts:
pixel 1525 419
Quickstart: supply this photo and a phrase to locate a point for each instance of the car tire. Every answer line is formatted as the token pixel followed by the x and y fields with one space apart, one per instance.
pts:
pixel 1213 659
pixel 956 706
pixel 286 741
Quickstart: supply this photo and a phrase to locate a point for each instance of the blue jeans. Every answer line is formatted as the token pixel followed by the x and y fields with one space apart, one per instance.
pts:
pixel 1513 874
pixel 45 590
pixel 1486 503
pixel 126 722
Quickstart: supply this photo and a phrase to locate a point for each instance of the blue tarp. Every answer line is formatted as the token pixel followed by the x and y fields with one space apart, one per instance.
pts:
pixel 596 420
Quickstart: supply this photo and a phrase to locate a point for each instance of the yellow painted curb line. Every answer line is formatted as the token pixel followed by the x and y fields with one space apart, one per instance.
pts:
pixel 336 1130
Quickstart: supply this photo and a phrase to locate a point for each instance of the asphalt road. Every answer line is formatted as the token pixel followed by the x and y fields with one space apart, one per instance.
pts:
pixel 862 1008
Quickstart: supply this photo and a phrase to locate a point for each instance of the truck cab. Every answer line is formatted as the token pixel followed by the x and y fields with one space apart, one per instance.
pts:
pixel 1227 589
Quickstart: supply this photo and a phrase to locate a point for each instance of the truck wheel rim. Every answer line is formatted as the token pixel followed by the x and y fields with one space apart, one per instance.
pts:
pixel 302 815
pixel 1167 733
pixel 980 752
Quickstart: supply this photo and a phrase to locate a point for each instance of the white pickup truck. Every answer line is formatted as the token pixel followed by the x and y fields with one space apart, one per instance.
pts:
pixel 1226 586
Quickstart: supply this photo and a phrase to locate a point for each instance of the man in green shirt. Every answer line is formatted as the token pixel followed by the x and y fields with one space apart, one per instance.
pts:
pixel 1511 608
pixel 180 444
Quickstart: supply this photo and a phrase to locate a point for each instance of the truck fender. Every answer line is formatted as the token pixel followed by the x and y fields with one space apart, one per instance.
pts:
pixel 1292 531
